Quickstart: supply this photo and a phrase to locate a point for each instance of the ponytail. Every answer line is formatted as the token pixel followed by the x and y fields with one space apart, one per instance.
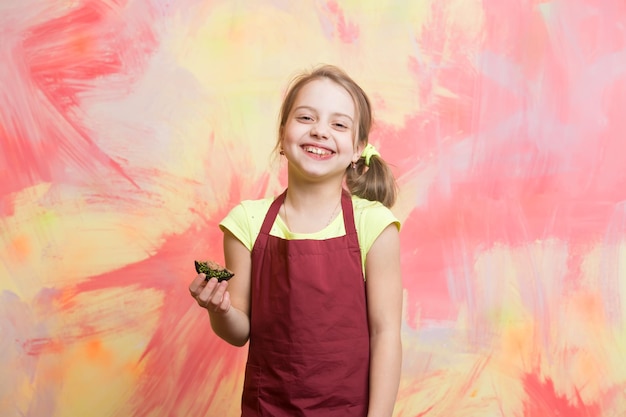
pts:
pixel 371 178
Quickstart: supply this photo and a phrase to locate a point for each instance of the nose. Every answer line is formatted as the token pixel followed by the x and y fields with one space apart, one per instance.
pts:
pixel 319 130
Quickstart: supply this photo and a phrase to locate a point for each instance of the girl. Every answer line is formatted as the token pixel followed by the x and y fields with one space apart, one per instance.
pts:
pixel 317 289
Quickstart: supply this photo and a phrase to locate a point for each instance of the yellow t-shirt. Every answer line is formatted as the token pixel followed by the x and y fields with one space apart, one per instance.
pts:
pixel 370 217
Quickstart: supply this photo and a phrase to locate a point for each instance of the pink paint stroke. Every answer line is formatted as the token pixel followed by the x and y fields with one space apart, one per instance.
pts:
pixel 333 17
pixel 41 128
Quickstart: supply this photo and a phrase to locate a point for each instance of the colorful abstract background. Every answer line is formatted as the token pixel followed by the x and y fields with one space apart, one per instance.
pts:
pixel 128 128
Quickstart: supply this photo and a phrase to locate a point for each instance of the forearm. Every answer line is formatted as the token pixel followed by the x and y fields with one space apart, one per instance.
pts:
pixel 232 326
pixel 385 368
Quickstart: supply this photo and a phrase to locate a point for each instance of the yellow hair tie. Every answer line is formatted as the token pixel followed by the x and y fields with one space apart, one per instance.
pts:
pixel 368 152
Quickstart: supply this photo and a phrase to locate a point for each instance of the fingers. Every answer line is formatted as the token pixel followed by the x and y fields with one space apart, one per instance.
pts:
pixel 210 294
pixel 225 304
pixel 197 285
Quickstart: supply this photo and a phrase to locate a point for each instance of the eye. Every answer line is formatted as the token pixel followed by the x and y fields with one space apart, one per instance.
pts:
pixel 341 126
pixel 304 118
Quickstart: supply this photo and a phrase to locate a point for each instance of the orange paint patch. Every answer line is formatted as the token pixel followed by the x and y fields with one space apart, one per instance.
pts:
pixel 82 44
pixel 517 340
pixel 95 351
pixel 589 306
pixel 21 248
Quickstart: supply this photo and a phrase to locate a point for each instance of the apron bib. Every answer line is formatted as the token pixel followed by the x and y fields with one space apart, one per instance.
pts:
pixel 309 338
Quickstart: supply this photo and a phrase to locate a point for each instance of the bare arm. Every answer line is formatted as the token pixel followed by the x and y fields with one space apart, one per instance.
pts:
pixel 384 300
pixel 228 302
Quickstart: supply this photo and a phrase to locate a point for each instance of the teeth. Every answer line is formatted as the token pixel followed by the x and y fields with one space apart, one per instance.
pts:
pixel 316 151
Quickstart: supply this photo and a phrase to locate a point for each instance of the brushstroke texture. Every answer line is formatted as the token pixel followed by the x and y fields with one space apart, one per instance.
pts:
pixel 129 128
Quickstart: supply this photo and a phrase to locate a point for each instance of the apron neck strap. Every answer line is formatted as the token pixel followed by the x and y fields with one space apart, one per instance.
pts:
pixel 346 208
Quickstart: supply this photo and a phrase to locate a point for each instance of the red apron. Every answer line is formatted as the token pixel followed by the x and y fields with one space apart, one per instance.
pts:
pixel 309 337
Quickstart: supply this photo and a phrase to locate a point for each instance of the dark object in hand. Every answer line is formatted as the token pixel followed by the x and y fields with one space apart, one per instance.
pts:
pixel 213 270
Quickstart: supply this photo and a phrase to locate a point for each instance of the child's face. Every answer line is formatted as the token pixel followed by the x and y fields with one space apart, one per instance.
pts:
pixel 318 137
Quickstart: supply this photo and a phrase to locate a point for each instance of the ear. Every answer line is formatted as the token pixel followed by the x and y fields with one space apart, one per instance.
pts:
pixel 358 150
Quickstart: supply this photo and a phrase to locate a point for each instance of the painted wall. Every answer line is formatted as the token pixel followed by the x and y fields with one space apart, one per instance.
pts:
pixel 129 128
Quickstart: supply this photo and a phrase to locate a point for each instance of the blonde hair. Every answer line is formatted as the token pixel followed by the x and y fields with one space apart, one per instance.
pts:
pixel 374 182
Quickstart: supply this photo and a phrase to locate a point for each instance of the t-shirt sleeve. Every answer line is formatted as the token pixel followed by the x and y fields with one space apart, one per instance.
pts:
pixel 373 220
pixel 237 223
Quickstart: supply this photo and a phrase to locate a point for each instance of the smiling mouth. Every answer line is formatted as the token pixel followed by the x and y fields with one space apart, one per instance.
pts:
pixel 317 151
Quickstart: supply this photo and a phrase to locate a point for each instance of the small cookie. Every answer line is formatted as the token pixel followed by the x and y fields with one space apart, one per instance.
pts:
pixel 213 270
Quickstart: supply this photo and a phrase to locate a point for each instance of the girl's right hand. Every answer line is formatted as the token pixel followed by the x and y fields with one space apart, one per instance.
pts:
pixel 211 295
